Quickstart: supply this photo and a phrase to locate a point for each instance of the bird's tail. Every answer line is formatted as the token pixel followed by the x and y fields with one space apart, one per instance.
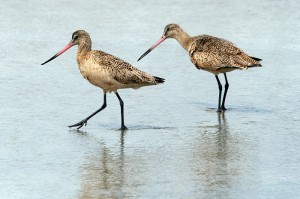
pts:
pixel 159 80
pixel 256 64
pixel 256 59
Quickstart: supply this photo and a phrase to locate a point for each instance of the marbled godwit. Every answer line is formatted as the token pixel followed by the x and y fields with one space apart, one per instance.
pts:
pixel 210 53
pixel 105 71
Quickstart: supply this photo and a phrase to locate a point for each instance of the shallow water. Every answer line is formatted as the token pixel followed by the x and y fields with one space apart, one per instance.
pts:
pixel 178 146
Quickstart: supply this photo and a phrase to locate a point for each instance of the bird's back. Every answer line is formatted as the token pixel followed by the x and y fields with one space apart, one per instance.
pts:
pixel 219 55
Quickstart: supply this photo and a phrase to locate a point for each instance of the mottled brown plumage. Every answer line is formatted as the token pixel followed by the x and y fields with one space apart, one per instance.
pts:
pixel 209 53
pixel 106 71
pixel 218 55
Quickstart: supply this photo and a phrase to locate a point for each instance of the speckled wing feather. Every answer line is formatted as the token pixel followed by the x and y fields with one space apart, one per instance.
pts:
pixel 122 71
pixel 208 51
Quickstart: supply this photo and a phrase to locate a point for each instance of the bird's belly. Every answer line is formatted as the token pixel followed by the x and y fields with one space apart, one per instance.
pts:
pixel 100 78
pixel 214 69
pixel 206 67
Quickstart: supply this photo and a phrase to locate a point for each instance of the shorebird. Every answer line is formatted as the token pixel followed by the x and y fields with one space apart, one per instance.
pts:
pixel 211 54
pixel 105 71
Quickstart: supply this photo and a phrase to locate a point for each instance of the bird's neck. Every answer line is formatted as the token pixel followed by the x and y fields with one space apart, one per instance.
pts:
pixel 82 52
pixel 84 47
pixel 184 39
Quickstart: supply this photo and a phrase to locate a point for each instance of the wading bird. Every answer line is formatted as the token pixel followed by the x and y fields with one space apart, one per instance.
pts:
pixel 210 53
pixel 105 71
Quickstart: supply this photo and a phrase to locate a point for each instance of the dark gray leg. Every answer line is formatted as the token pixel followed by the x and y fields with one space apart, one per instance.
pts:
pixel 123 127
pixel 84 121
pixel 220 93
pixel 225 92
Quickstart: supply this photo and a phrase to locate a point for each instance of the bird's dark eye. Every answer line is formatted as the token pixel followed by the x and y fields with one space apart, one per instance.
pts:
pixel 75 37
pixel 167 30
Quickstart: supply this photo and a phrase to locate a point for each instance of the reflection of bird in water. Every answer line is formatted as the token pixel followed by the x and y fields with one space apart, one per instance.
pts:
pixel 105 71
pixel 211 54
pixel 215 152
pixel 103 175
pixel 222 129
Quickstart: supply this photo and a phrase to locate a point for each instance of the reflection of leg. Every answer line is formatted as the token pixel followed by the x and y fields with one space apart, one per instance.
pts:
pixel 221 118
pixel 123 127
pixel 84 121
pixel 225 92
pixel 220 93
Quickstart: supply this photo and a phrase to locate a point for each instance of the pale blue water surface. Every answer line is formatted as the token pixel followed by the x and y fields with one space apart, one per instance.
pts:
pixel 178 146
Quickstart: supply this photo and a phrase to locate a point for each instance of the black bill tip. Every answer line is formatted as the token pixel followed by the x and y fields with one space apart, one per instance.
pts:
pixel 148 51
pixel 50 59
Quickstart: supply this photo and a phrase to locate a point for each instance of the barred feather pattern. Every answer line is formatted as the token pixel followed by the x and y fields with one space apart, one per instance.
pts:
pixel 218 55
pixel 109 72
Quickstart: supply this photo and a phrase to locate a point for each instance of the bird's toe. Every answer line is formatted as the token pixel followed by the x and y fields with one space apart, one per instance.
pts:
pixel 79 124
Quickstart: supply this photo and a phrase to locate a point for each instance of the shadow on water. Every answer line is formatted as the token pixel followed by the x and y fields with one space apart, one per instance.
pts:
pixel 79 132
pixel 148 127
pixel 234 108
pixel 245 109
pixel 103 174
pixel 216 152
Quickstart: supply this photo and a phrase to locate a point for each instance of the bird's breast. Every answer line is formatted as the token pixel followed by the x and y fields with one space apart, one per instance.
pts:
pixel 98 75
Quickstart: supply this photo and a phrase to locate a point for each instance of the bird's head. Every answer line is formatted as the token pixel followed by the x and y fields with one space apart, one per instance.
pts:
pixel 79 37
pixel 170 31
